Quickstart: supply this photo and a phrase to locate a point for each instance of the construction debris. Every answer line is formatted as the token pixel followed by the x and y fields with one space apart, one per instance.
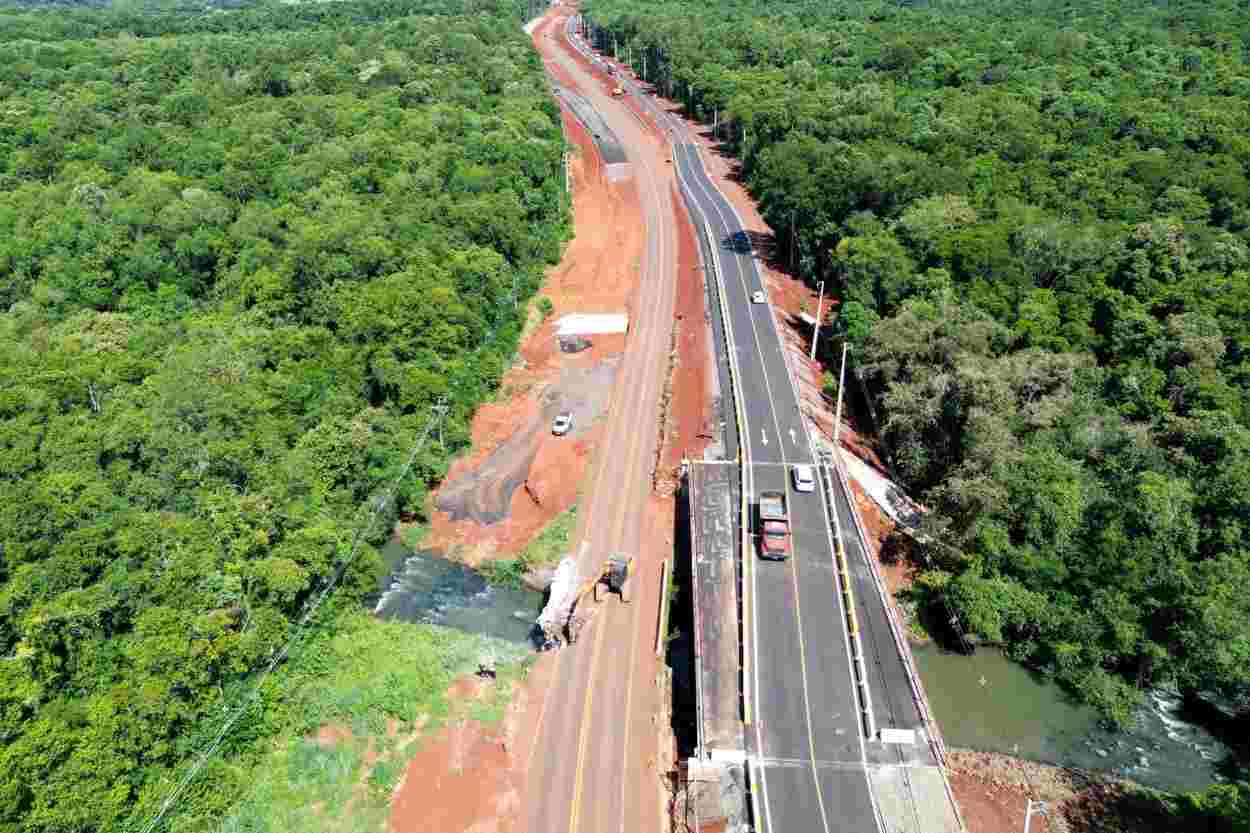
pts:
pixel 554 619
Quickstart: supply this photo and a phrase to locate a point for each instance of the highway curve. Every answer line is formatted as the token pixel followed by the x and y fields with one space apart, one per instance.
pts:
pixel 805 738
pixel 808 758
pixel 807 753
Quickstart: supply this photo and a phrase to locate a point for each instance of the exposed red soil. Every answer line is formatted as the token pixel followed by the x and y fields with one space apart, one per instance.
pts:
pixel 653 740
pixel 598 273
pixel 898 574
pixel 993 790
pixel 465 777
pixel 991 808
pixel 791 297
pixel 688 430
pixel 469 777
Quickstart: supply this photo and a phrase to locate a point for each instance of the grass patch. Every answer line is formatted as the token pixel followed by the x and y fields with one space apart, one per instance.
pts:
pixel 533 319
pixel 368 675
pixel 546 549
pixel 413 536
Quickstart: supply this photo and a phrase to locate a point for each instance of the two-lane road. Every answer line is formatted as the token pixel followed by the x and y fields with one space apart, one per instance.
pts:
pixel 806 737
pixel 588 773
pixel 808 757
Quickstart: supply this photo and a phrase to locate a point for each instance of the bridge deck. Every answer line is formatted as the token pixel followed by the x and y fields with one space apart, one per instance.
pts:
pixel 714 494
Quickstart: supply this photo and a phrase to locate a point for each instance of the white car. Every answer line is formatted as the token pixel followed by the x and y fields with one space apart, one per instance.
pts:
pixel 757 297
pixel 562 424
pixel 804 478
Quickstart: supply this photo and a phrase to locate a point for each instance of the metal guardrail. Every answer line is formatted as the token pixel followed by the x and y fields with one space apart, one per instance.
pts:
pixel 936 744
pixel 869 720
pixel 661 625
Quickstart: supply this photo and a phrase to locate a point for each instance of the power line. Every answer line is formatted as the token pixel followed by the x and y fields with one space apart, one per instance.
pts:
pixel 376 505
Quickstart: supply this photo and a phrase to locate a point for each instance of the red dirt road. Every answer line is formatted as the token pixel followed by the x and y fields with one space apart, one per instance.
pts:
pixel 597 762
pixel 583 748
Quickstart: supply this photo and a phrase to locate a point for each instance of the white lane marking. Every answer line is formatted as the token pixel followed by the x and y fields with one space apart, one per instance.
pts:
pixel 764 436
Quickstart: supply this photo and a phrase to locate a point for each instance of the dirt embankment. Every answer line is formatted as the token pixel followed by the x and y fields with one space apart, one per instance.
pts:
pixel 993 793
pixel 517 477
pixel 471 777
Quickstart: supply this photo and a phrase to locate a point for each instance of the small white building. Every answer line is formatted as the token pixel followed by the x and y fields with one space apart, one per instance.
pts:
pixel 581 324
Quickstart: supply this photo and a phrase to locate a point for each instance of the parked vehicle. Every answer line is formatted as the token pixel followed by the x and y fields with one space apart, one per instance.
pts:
pixel 774 526
pixel 804 478
pixel 562 424
pixel 758 297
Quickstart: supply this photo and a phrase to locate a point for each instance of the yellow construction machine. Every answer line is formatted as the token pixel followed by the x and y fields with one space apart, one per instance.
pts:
pixel 564 616
pixel 615 577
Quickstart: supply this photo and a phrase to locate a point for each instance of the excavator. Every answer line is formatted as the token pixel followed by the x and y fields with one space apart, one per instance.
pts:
pixel 615 577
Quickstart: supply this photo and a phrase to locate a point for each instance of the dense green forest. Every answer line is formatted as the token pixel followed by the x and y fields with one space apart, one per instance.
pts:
pixel 242 253
pixel 1038 218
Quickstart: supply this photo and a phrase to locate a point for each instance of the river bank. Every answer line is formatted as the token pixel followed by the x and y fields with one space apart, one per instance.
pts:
pixel 993 792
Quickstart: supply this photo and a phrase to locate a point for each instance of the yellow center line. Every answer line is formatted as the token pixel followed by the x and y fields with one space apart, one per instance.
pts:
pixel 807 704
pixel 574 810
pixel 633 648
pixel 634 437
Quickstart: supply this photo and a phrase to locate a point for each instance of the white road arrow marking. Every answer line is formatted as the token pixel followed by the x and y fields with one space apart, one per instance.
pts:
pixel 764 436
pixel 792 440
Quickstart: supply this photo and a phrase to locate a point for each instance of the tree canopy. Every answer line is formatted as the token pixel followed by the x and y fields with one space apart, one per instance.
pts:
pixel 1038 214
pixel 242 253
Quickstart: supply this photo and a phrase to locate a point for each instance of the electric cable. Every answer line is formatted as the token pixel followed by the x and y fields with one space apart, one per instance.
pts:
pixel 377 504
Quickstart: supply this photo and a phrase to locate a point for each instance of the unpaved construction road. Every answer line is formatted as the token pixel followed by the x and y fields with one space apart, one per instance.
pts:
pixel 593 765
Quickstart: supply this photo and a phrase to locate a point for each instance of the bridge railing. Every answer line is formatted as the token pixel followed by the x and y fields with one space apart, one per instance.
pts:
pixel 933 733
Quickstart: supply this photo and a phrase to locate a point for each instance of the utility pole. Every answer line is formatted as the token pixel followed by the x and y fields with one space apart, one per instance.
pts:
pixel 837 416
pixel 1035 808
pixel 816 330
pixel 440 408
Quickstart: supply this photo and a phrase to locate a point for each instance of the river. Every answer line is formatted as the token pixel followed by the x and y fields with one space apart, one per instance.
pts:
pixel 983 701
pixel 423 587
pixel 986 702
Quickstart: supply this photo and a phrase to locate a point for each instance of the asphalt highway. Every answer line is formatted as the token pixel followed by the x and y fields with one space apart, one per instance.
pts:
pixel 805 735
pixel 806 739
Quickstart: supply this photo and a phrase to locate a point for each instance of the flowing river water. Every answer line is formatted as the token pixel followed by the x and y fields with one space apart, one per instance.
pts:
pixel 982 701
pixel 986 702
pixel 424 587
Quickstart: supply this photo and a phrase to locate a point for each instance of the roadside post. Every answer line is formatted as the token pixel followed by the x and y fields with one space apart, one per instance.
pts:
pixel 816 328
